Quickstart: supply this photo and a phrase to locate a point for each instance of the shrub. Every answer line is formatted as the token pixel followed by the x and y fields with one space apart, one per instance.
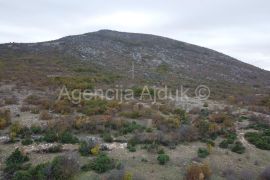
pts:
pixel 128 176
pixel 161 151
pixel 22 175
pixel 238 148
pixel 45 115
pixel 107 137
pixel 14 162
pixel 205 104
pixel 85 147
pixel 163 159
pixel 68 138
pixel 187 133
pixel 34 110
pixel 94 107
pixel 100 164
pixel 224 144
pixel 231 137
pixel 64 167
pixel 27 141
pixel 50 136
pixel 36 129
pixel 132 115
pixel 130 127
pixel 131 148
pixel 62 107
pixel 95 150
pixel 54 149
pixel 5 118
pixel 260 139
pixel 202 153
pixel 14 130
pixel 182 115
pixel 33 100
pixel 11 100
pixel 196 171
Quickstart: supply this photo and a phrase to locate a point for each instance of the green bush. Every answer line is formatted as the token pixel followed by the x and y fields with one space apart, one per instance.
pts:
pixel 68 138
pixel 107 137
pixel 64 167
pixel 182 115
pixel 50 136
pixel 238 148
pixel 161 151
pixel 15 161
pixel 163 159
pixel 100 164
pixel 22 175
pixel 36 129
pixel 203 153
pixel 130 127
pixel 260 139
pixel 27 141
pixel 131 148
pixel 132 115
pixel 224 144
pixel 94 107
pixel 231 137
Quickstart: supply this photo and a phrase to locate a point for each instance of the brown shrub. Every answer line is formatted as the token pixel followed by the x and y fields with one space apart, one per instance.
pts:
pixel 25 108
pixel 33 100
pixel 198 172
pixel 62 107
pixel 195 110
pixel 188 133
pixel 5 118
pixel 11 100
pixel 62 124
pixel 45 115
pixel 219 117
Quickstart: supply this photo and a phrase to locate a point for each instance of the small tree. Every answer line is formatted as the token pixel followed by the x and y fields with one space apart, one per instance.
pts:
pixel 163 159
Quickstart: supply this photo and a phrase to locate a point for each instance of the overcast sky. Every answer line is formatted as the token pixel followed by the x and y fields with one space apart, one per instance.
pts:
pixel 239 28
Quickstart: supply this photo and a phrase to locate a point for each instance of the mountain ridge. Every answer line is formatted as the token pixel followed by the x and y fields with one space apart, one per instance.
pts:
pixel 157 59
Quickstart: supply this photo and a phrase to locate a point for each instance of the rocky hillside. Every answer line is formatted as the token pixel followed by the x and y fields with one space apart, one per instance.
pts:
pixel 156 60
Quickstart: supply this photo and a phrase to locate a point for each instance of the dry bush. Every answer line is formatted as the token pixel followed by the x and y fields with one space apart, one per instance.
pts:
pixel 62 107
pixel 5 118
pixel 25 108
pixel 11 100
pixel 195 110
pixel 33 100
pixel 166 109
pixel 188 133
pixel 219 117
pixel 34 110
pixel 62 124
pixel 65 166
pixel 45 115
pixel 15 129
pixel 41 102
pixel 198 172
